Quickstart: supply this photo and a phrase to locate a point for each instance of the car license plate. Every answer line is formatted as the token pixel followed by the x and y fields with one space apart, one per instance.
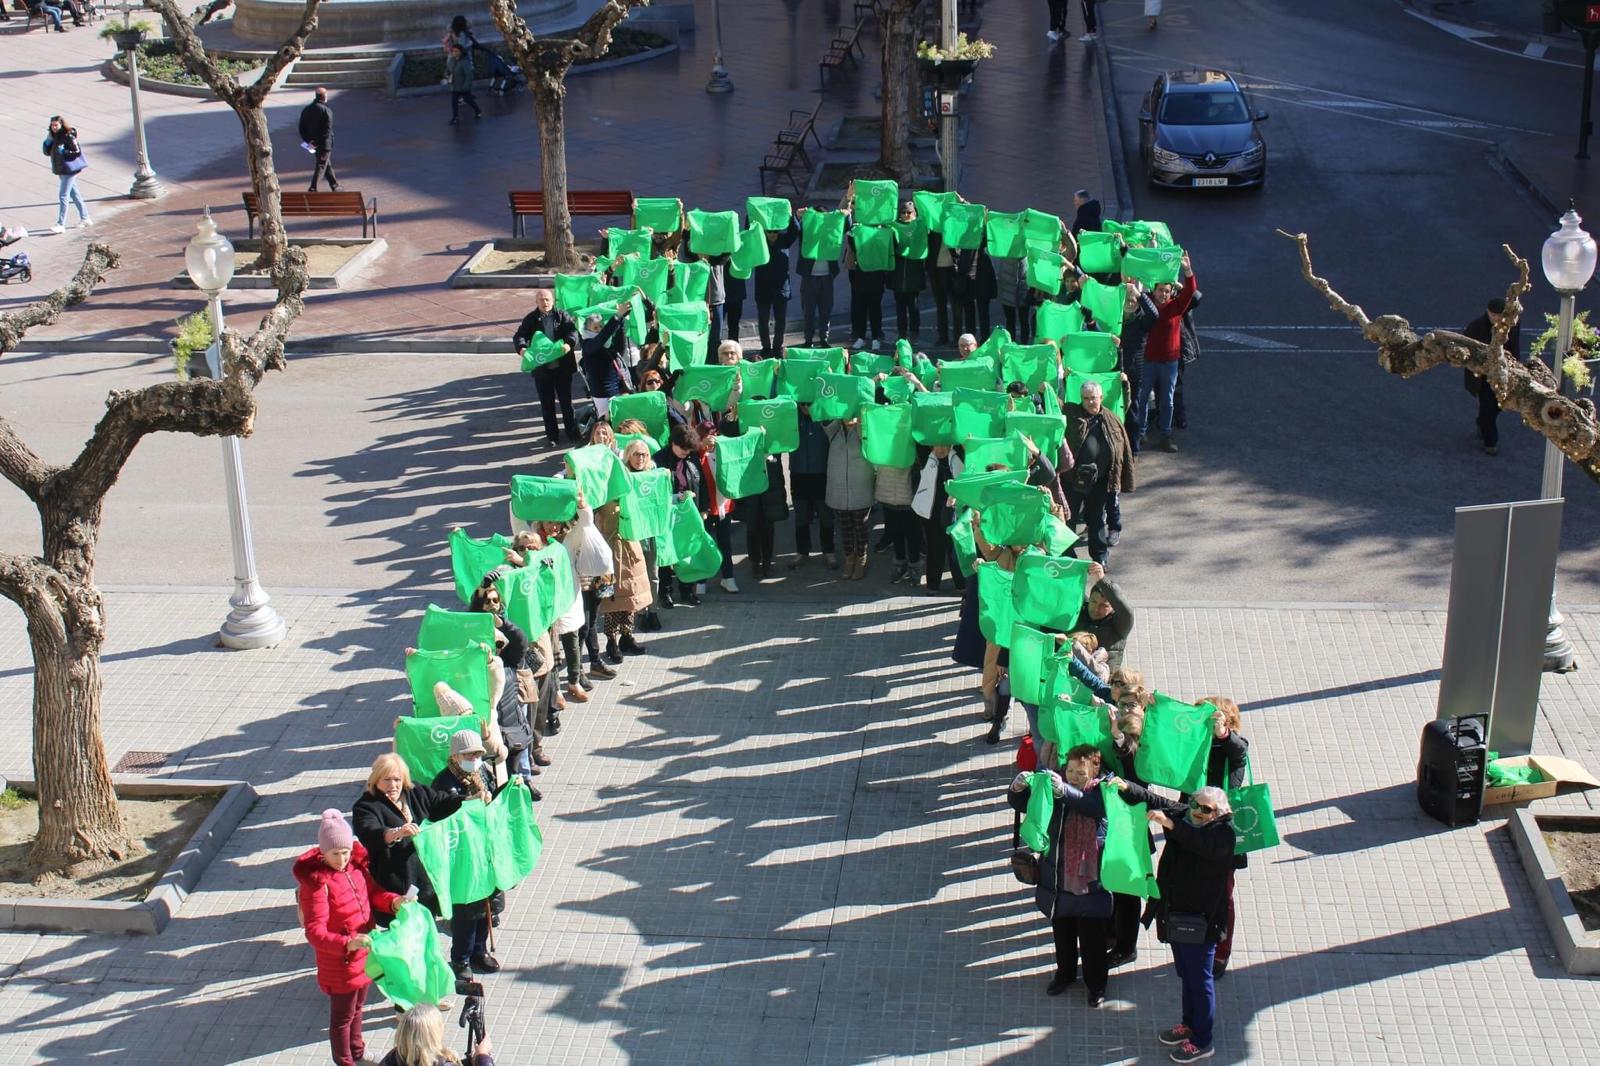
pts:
pixel 1201 183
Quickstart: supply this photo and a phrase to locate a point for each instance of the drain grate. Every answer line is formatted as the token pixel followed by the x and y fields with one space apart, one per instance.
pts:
pixel 141 762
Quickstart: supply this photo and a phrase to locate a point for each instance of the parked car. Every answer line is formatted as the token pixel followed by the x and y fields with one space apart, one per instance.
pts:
pixel 1198 130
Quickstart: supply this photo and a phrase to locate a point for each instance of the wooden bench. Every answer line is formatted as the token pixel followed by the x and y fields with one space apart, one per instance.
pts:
pixel 781 160
pixel 530 202
pixel 320 205
pixel 846 43
pixel 801 122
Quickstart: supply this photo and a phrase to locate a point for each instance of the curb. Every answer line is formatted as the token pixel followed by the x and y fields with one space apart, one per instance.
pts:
pixel 1576 947
pixel 1116 149
pixel 1506 164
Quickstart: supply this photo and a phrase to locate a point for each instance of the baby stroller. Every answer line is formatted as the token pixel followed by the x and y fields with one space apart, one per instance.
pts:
pixel 502 77
pixel 17 266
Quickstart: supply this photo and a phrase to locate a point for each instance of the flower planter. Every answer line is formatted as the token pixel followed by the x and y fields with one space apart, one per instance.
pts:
pixel 948 73
pixel 128 40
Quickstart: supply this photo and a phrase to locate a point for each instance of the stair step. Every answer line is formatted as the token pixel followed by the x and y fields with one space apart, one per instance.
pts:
pixel 338 66
pixel 354 79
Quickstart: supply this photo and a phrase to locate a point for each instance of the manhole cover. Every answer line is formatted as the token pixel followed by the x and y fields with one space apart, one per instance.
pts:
pixel 141 762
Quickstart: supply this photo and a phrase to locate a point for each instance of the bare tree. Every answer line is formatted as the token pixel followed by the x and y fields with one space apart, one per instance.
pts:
pixel 545 61
pixel 896 24
pixel 1529 389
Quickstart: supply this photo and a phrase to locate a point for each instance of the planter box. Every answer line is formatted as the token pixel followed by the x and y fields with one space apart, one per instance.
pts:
pixel 465 278
pixel 148 84
pixel 371 249
pixel 151 914
pixel 1579 949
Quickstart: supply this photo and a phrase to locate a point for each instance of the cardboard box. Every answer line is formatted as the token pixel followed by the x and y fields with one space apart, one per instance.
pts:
pixel 1560 777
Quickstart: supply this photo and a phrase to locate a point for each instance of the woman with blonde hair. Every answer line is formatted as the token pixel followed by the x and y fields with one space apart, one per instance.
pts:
pixel 419 1041
pixel 389 813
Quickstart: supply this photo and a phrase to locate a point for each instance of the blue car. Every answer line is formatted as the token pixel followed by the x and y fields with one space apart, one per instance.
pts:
pixel 1197 130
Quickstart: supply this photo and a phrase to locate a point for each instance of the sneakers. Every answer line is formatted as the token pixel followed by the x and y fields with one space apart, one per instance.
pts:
pixel 58 228
pixel 877 344
pixel 858 344
pixel 1187 1052
pixel 1112 537
pixel 900 572
pixel 1089 38
pixel 1059 983
pixel 728 584
pixel 1054 35
pixel 85 222
pixel 1178 1034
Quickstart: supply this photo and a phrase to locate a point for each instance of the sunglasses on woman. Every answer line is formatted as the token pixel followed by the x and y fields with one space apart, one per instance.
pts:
pixel 1202 808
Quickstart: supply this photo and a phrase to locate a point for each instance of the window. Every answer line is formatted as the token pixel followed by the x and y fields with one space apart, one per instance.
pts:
pixel 1204 109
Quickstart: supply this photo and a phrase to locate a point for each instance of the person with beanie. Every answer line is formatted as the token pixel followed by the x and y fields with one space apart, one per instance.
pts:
pixel 337 895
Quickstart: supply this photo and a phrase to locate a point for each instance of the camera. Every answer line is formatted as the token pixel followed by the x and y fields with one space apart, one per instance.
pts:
pixel 472 1013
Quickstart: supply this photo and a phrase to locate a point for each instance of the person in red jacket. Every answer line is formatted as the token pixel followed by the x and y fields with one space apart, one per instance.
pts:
pixel 1163 350
pixel 337 895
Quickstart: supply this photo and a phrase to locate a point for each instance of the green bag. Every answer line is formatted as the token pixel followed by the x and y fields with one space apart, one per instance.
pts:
pixel 1153 266
pixel 685 535
pixel 1031 364
pixel 979 413
pixel 543 499
pixel 648 407
pixel 1044 270
pixel 1175 744
pixel 689 282
pixel 771 213
pixel 980 453
pixel 1014 514
pixel 1035 828
pixel 711 385
pixel 841 396
pixel 455 852
pixel 964 543
pixel 1255 823
pixel 423 744
pixel 930 206
pixel 1033 662
pixel 638 323
pixel 797 378
pixel 911 238
pixel 779 418
pixel 1110 385
pixel 1089 353
pixel 1052 320
pixel 874 247
pixel 933 417
pixel 442 630
pixel 886 435
pixel 688 349
pixel 1042 231
pixel 876 202
pixel 752 252
pixel 995 616
pixel 758 378
pixel 464 669
pixel 713 232
pixel 663 214
pixel 541 591
pixel 1049 591
pixel 1052 401
pixel 972 489
pixel 648 275
pixel 599 474
pixel 1125 865
pixel 993 346
pixel 1159 233
pixel 1105 303
pixel 1136 234
pixel 1058 539
pixel 646 511
pixel 651 445
pixel 606 298
pixel 1003 232
pixel 471 558
pixel 970 373
pixel 405 959
pixel 542 351
pixel 1067 725
pixel 898 390
pixel 516 834
pixel 703 565
pixel 822 235
pixel 740 464
pixel 572 290
pixel 689 317
pixel 962 225
pixel 833 359
pixel 620 242
pixel 1046 431
pixel 1099 253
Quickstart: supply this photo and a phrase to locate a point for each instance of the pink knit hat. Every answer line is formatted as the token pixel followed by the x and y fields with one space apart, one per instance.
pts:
pixel 334 832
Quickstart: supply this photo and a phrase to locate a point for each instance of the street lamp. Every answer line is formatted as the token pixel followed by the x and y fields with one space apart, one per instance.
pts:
pixel 146 186
pixel 252 623
pixel 1569 262
pixel 720 82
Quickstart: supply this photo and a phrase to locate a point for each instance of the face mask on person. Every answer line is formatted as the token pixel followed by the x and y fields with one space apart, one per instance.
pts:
pixel 471 765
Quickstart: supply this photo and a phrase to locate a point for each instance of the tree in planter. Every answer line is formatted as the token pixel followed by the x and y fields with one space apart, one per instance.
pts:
pixel 545 62
pixel 895 24
pixel 249 104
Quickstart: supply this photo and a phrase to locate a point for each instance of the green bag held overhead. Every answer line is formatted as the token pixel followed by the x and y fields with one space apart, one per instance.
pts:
pixel 1255 823
pixel 442 630
pixel 965 545
pixel 993 346
pixel 771 213
pixel 542 351
pixel 933 418
pixel 423 744
pixel 637 324
pixel 1058 539
pixel 572 290
pixel 648 407
pixel 930 206
pixel 1104 302
pixel 688 349
pixel 620 242
pixel 752 252
pixel 758 378
pixel 471 558
pixel 599 474
pixel 1067 725
pixel 663 214
pixel 713 232
pixel 876 202
pixel 1049 591
pixel 841 396
pixel 1110 386
pixel 651 445
pixel 981 453
pixel 1031 364
pixel 1042 231
pixel 711 385
pixel 1159 233
pixel 406 961
pixel 972 490
pixel 972 373
pixel 1035 828
pixel 831 358
pixel 797 378
pixel 780 418
pixel 1125 865
pixel 464 669
pixel 1175 744
pixel 685 534
pixel 1043 270
pixel 979 413
pixel 1136 234
pixel 898 390
pixel 1052 320
pixel 822 235
pixel 911 238
pixel 1033 662
pixel 1003 234
pixel 690 317
pixel 886 435
pixel 741 464
pixel 689 281
pixel 538 593
pixel 607 297
pixel 646 511
pixel 995 615
pixel 1099 253
pixel 869 364
pixel 1014 514
pixel 1153 266
pixel 1089 353
pixel 962 225
pixel 544 499
pixel 1046 431
pixel 874 247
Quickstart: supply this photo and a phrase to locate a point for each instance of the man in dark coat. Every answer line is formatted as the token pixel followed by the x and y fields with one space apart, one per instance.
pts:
pixel 316 129
pixel 1482 329
pixel 1088 216
pixel 771 281
pixel 1102 464
pixel 553 380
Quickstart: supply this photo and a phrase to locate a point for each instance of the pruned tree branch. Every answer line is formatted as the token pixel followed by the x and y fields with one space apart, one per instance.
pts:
pixel 207 12
pixel 25 579
pixel 20 464
pixel 287 53
pixel 545 60
pixel 1529 389
pixel 96 262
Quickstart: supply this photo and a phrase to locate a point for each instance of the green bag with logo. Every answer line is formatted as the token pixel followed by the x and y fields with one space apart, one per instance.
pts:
pixel 713 232
pixel 841 396
pixel 933 417
pixel 1042 231
pixel 423 744
pixel 711 385
pixel 874 247
pixel 651 445
pixel 1175 744
pixel 1046 431
pixel 1033 662
pixel 1125 865
pixel 886 435
pixel 405 960
pixel 1099 253
pixel 1105 303
pixel 771 213
pixel 965 545
pixel 972 490
pixel 1153 266
pixel 740 464
pixel 471 558
pixel 898 390
pixel 797 378
pixel 663 214
pixel 779 418
pixel 538 593
pixel 1255 823
pixel 464 669
pixel 689 317
pixel 833 359
pixel 930 206
pixel 1044 270
pixel 980 453
pixel 911 238
pixel 648 407
pixel 543 499
pixel 1049 591
pixel 1067 725
pixel 1035 828
pixel 1052 320
pixel 962 225
pixel 1089 353
pixel 822 235
pixel 870 364
pixel 966 374
pixel 1014 514
pixel 620 242
pixel 758 378
pixel 688 349
pixel 993 346
pixel 689 282
pixel 1031 364
pixel 1003 233
pixel 995 614
pixel 442 630
pixel 752 251
pixel 876 202
pixel 572 290
pixel 1110 385
pixel 599 474
pixel 1057 539
pixel 646 511
pixel 979 413
pixel 542 351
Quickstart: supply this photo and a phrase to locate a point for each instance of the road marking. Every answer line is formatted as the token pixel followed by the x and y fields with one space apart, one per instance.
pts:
pixel 1485 39
pixel 1247 340
pixel 1535 50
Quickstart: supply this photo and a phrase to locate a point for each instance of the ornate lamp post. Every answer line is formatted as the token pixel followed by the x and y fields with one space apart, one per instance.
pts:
pixel 720 82
pixel 146 186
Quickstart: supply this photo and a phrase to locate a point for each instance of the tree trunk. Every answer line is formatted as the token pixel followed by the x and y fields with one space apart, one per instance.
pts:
pixel 549 101
pixel 895 23
pixel 264 182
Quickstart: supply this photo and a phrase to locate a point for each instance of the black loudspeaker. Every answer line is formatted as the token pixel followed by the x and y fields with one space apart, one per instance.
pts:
pixel 1450 768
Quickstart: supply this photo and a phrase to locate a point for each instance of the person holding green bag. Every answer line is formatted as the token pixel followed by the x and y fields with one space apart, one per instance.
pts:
pixel 908 279
pixel 468 776
pixel 771 283
pixel 633 582
pixel 603 372
pixel 932 504
pixel 553 380
pixel 761 512
pixel 1103 464
pixel 868 279
pixel 1225 769
pixel 817 267
pixel 851 490
pixel 1163 351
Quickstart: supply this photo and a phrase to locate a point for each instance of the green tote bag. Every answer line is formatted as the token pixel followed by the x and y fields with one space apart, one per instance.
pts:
pixel 1175 744
pixel 779 417
pixel 1048 591
pixel 1254 821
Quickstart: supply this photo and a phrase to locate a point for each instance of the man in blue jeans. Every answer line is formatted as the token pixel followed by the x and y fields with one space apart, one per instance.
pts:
pixel 1163 352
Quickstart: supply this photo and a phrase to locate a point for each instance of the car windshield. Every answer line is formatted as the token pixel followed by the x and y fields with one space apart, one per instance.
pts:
pixel 1203 109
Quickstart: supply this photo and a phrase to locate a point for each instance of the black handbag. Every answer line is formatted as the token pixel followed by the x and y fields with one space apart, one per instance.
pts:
pixel 1025 865
pixel 1186 927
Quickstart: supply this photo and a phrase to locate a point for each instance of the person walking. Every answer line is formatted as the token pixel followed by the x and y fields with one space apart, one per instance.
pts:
pixel 553 380
pixel 1091 25
pixel 316 129
pixel 1152 11
pixel 1058 20
pixel 1482 329
pixel 66 163
pixel 1088 216
pixel 1103 463
pixel 461 75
